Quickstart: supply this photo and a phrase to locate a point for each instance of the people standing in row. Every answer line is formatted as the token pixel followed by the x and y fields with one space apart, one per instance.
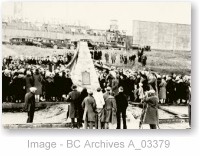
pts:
pixel 96 55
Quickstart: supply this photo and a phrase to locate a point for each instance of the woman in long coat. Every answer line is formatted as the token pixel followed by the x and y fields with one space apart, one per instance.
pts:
pixel 89 115
pixel 162 91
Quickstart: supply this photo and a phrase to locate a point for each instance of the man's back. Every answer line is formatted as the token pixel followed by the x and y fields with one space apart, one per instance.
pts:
pixel 110 102
pixel 152 101
pixel 121 101
pixel 105 96
pixel 74 95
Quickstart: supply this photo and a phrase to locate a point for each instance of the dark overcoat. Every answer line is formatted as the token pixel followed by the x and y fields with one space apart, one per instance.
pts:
pixel 121 102
pixel 89 106
pixel 109 110
pixel 73 97
pixel 115 85
pixel 29 83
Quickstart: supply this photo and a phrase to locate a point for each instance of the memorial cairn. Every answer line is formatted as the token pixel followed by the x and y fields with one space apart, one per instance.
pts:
pixel 83 72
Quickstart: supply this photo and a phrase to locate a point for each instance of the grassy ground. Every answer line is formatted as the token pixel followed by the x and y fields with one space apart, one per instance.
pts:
pixel 14 50
pixel 163 62
pixel 169 61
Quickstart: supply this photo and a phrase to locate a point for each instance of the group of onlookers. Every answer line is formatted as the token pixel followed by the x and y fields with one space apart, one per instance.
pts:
pixel 21 74
pixel 125 59
pixel 169 88
pixel 11 62
pixel 96 54
pixel 48 77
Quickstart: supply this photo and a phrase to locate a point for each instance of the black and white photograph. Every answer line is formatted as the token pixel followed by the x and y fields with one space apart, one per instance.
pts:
pixel 96 65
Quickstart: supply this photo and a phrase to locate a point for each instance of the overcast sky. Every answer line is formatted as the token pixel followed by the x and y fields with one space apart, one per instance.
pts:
pixel 98 14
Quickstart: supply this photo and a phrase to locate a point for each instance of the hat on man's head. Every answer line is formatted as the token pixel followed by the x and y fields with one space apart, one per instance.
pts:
pixel 74 87
pixel 121 89
pixel 28 72
pixel 108 89
pixel 90 92
pixel 98 89
pixel 33 89
pixel 151 92
pixel 67 70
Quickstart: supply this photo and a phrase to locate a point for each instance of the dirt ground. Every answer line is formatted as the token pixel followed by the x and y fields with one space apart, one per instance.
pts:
pixel 57 114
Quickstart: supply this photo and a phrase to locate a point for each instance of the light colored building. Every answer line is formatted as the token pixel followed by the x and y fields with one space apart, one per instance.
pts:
pixel 17 28
pixel 115 37
pixel 113 25
pixel 164 36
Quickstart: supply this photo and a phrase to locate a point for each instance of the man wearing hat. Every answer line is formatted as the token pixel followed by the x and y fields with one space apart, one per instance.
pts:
pixel 89 106
pixel 30 104
pixel 122 104
pixel 107 93
pixel 98 96
pixel 73 98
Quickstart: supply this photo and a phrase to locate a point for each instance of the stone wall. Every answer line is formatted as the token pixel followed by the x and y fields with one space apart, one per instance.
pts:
pixel 164 36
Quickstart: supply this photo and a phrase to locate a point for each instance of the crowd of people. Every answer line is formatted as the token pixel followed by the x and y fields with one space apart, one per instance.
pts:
pixel 125 59
pixel 48 74
pixel 10 62
pixel 51 80
pixel 170 89
pixel 96 54
pixel 142 58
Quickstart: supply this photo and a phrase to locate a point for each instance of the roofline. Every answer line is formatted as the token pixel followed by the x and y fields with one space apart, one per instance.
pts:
pixel 161 22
